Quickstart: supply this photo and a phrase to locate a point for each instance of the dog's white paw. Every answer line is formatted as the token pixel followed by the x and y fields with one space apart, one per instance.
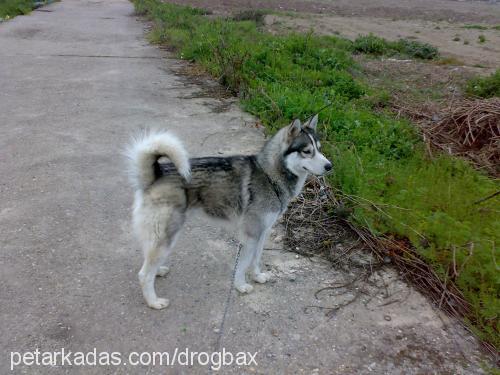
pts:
pixel 262 277
pixel 159 303
pixel 244 288
pixel 162 271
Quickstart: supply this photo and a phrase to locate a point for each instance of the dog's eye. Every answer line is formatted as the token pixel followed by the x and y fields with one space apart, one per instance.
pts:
pixel 307 152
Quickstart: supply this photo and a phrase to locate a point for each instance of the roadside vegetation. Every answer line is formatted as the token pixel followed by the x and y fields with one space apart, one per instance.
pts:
pixel 393 186
pixel 485 87
pixel 475 27
pixel 12 8
pixel 481 27
pixel 375 45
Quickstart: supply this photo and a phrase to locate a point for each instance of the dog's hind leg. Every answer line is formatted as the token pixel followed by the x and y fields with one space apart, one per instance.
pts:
pixel 155 254
pixel 153 257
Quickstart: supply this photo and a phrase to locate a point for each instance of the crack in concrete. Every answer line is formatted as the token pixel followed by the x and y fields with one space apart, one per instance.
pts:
pixel 89 56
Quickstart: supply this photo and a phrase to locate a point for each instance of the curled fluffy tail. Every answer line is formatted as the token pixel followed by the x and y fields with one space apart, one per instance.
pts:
pixel 146 150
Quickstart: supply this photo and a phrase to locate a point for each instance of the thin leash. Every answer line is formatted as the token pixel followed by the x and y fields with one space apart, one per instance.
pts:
pixel 229 293
pixel 319 111
pixel 228 301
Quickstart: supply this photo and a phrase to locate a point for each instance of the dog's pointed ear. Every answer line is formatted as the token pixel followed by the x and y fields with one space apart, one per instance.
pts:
pixel 294 128
pixel 312 123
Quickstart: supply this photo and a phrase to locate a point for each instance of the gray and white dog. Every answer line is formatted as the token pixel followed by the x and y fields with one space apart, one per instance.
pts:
pixel 252 191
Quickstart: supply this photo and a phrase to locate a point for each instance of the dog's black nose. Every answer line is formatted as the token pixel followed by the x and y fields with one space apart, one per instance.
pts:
pixel 328 167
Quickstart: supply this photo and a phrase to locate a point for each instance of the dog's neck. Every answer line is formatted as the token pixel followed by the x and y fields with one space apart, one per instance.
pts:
pixel 275 168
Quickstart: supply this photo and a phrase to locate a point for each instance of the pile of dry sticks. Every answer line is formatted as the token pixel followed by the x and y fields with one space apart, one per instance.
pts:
pixel 468 128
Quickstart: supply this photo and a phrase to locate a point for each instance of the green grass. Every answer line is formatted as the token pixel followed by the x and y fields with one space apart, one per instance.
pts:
pixel 375 45
pixel 12 8
pixel 475 27
pixel 484 87
pixel 380 162
pixel 481 39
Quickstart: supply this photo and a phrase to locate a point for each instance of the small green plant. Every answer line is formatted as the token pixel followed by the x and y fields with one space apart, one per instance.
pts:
pixel 497 27
pixel 481 38
pixel 371 44
pixel 466 42
pixel 417 49
pixel 475 27
pixel 484 87
pixel 456 38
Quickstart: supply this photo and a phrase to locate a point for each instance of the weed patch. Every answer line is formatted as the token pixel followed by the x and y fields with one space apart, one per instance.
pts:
pixel 475 27
pixel 381 167
pixel 484 87
pixel 12 8
pixel 374 45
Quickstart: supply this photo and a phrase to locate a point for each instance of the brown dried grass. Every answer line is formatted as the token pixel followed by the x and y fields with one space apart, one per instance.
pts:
pixel 468 128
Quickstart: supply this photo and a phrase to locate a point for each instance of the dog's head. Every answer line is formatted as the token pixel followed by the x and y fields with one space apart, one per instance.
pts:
pixel 302 149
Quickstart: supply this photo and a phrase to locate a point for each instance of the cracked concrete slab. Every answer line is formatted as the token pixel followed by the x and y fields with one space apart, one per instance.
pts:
pixel 68 262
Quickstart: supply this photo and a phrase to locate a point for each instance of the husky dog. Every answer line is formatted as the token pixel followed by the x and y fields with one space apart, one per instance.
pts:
pixel 252 191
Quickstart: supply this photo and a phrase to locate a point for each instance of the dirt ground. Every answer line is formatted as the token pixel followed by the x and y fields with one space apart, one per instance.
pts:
pixel 450 10
pixel 453 40
pixel 441 23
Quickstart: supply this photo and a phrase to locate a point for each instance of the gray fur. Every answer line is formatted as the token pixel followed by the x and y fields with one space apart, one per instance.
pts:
pixel 252 191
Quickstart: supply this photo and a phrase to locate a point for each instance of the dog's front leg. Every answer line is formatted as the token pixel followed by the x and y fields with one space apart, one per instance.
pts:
pixel 250 243
pixel 257 275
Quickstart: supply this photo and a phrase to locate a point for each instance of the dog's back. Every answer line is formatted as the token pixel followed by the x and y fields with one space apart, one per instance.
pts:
pixel 221 186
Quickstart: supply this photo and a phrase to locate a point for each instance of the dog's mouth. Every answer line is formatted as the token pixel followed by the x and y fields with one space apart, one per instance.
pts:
pixel 308 171
pixel 317 174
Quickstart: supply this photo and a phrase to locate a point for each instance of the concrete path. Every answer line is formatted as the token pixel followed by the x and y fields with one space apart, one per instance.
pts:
pixel 77 78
